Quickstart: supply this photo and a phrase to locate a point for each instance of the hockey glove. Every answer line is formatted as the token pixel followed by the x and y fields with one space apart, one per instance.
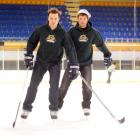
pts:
pixel 73 71
pixel 28 61
pixel 107 61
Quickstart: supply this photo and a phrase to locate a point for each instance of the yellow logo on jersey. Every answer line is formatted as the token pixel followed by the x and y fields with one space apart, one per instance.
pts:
pixel 51 39
pixel 83 38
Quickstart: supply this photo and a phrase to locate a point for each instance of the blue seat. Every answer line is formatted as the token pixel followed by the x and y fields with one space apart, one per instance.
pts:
pixel 20 20
pixel 118 20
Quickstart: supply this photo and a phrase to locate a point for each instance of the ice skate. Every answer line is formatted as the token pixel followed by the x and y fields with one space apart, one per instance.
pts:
pixel 53 114
pixel 25 114
pixel 86 111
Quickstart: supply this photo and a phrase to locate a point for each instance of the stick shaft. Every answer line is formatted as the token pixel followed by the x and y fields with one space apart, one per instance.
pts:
pixel 14 123
pixel 113 116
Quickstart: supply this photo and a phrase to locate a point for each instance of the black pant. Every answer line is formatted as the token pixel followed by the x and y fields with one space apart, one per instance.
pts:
pixel 37 75
pixel 87 94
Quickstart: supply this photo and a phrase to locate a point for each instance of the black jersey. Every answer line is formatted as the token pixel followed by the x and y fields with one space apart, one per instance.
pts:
pixel 83 39
pixel 52 43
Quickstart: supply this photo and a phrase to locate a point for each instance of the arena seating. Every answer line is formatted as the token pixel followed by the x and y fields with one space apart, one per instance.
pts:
pixel 115 22
pixel 18 21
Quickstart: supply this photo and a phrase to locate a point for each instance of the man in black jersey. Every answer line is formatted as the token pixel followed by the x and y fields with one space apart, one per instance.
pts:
pixel 53 39
pixel 83 36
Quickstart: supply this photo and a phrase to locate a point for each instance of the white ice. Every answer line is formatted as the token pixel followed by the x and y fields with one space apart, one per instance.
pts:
pixel 122 97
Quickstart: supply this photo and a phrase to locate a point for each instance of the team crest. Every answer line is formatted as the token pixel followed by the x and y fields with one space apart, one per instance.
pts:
pixel 51 39
pixel 83 38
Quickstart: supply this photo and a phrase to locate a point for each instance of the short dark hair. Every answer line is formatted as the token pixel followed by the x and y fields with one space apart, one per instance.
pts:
pixel 54 11
pixel 83 14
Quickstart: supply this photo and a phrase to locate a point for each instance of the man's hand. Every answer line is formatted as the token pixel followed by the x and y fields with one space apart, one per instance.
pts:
pixel 28 61
pixel 73 71
pixel 107 61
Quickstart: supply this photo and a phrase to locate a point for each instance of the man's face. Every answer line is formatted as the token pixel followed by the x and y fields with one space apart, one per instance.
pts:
pixel 53 20
pixel 82 20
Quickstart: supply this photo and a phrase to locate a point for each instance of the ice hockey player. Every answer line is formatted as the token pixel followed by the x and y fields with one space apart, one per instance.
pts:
pixel 53 39
pixel 83 36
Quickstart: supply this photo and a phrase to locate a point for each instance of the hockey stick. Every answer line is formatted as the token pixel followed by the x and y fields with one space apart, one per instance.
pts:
pixel 109 77
pixel 110 69
pixel 122 120
pixel 14 123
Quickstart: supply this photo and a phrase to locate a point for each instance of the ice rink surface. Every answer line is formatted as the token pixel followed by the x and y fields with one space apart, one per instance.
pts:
pixel 122 96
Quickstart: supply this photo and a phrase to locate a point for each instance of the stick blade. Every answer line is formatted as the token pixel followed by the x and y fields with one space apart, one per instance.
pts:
pixel 13 125
pixel 121 120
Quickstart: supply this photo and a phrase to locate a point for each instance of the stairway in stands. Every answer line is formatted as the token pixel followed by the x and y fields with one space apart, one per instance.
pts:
pixel 72 7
